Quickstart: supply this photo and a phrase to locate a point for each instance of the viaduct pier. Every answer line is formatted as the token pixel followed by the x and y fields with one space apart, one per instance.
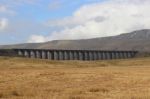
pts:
pixel 87 55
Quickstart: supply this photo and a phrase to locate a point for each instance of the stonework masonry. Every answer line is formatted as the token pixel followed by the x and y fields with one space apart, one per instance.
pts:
pixel 87 55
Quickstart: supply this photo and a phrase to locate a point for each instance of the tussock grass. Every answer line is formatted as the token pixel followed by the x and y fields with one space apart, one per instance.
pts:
pixel 22 78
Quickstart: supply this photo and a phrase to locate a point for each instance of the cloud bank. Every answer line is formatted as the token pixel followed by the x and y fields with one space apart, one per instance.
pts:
pixel 100 19
pixel 108 18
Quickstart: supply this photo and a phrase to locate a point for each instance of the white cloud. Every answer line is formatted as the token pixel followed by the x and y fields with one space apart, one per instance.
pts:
pixel 5 10
pixel 108 18
pixel 36 39
pixel 3 23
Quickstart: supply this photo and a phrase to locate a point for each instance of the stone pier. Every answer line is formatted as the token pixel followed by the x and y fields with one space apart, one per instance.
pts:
pixel 86 55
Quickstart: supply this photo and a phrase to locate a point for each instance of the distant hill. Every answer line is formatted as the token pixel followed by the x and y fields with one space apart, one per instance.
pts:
pixel 137 40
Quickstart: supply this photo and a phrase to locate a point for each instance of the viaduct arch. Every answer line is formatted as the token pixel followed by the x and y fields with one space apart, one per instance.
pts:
pixel 87 55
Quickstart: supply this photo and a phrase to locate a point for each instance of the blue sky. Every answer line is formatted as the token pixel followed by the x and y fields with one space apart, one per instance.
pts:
pixel 27 21
pixel 34 12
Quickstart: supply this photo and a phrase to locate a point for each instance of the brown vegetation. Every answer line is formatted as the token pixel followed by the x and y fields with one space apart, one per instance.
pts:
pixel 42 79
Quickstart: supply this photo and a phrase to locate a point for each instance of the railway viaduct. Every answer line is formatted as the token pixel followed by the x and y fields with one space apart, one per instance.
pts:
pixel 88 55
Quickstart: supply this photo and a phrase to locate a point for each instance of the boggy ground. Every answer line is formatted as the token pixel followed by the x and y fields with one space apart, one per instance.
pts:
pixel 42 79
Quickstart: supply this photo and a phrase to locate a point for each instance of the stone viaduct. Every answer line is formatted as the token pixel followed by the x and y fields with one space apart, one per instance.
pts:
pixel 88 55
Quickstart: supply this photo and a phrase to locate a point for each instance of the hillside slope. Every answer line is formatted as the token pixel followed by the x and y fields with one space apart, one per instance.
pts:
pixel 137 40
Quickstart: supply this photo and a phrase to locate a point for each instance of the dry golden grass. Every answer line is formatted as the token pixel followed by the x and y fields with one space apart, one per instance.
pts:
pixel 42 79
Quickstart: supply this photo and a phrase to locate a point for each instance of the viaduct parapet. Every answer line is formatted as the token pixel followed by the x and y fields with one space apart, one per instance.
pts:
pixel 86 55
